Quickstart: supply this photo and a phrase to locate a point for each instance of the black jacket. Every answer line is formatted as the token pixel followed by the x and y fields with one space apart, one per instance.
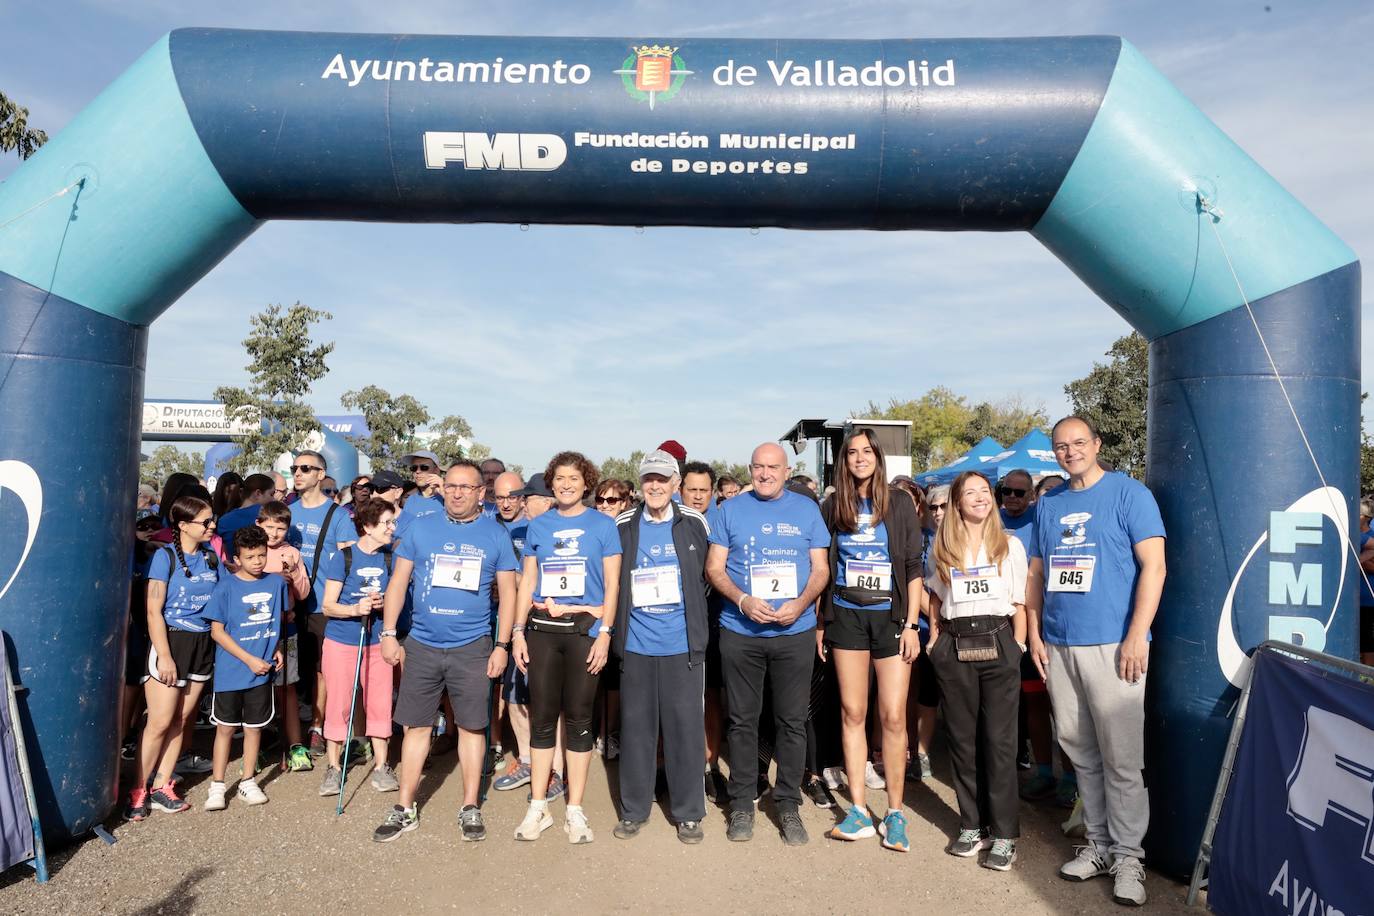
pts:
pixel 905 547
pixel 690 540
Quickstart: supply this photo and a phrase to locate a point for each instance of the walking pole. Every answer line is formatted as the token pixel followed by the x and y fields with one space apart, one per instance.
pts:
pixel 352 706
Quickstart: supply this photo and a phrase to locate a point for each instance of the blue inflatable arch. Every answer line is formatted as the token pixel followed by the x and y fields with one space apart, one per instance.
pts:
pixel 1078 141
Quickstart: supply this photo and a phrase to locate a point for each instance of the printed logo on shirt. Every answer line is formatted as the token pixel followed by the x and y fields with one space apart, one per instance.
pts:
pixel 565 543
pixel 262 607
pixel 766 528
pixel 1075 528
pixel 372 578
pixel 656 550
pixel 786 530
pixel 450 547
pixel 864 534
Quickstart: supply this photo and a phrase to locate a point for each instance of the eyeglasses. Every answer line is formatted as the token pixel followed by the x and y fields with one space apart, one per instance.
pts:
pixel 463 487
pixel 513 498
pixel 202 522
pixel 1014 491
pixel 305 468
pixel 280 491
pixel 1061 448
pixel 603 500
pixel 418 468
pixel 328 491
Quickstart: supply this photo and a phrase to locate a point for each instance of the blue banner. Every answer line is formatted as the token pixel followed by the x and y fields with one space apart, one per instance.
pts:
pixel 16 823
pixel 1296 833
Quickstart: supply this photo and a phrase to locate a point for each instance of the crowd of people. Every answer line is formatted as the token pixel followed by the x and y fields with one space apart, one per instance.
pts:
pixel 675 623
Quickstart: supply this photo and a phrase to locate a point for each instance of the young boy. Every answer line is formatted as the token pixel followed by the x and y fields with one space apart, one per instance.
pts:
pixel 275 520
pixel 245 615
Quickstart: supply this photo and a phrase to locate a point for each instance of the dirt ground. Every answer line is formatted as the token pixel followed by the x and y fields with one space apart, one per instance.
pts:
pixel 294 856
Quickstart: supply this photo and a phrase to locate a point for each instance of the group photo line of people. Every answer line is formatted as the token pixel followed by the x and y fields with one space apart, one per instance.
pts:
pixel 675 624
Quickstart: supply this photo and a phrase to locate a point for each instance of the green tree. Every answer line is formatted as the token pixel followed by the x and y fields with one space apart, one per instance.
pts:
pixel 391 422
pixel 623 468
pixel 1006 420
pixel 167 460
pixel 15 133
pixel 451 439
pixel 1366 454
pixel 727 469
pixel 1113 397
pixel 939 425
pixel 284 363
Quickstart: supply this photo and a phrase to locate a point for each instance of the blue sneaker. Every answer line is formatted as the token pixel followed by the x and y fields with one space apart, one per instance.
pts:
pixel 893 829
pixel 857 825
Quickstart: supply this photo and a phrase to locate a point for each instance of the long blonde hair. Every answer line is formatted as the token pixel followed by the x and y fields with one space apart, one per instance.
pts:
pixel 951 546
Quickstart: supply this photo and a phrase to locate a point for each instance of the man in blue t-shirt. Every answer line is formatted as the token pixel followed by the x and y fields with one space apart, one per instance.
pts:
pixel 1017 492
pixel 1096 574
pixel 768 561
pixel 452 561
pixel 428 497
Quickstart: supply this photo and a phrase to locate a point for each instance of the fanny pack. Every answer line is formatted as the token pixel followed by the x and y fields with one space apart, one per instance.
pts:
pixel 575 624
pixel 975 638
pixel 863 597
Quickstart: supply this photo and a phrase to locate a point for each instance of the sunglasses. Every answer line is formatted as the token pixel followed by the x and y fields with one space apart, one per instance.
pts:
pixel 305 468
pixel 937 506
pixel 603 500
pixel 417 468
pixel 1014 491
pixel 328 491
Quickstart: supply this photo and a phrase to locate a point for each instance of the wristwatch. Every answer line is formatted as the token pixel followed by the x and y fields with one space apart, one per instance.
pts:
pixel 911 626
pixel 609 631
pixel 503 645
pixel 385 633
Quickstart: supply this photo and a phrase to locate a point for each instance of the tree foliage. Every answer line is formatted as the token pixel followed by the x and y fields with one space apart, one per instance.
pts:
pixel 623 468
pixel 15 133
pixel 391 422
pixel 167 460
pixel 451 439
pixel 944 425
pixel 1113 397
pixel 283 364
pixel 1366 454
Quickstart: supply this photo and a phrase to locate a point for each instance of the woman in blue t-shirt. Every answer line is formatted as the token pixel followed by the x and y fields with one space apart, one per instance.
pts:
pixel 567 599
pixel 181 578
pixel 870 615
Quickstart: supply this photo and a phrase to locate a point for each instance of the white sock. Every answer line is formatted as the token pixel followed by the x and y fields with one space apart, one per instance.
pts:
pixel 539 803
pixel 572 808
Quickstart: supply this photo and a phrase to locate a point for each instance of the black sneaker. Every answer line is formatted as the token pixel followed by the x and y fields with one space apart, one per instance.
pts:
pixel 398 821
pixel 470 819
pixel 793 831
pixel 741 828
pixel 495 756
pixel 127 750
pixel 820 796
pixel 626 830
pixel 690 832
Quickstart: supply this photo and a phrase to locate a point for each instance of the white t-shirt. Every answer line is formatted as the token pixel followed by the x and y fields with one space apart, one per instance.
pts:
pixel 1009 582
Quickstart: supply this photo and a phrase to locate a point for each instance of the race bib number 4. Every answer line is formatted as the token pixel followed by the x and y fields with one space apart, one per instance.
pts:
pixel 773 580
pixel 457 572
pixel 868 574
pixel 563 578
pixel 1071 574
pixel 979 583
pixel 655 585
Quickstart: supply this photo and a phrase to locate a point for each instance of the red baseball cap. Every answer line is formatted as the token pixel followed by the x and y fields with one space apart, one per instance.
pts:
pixel 674 448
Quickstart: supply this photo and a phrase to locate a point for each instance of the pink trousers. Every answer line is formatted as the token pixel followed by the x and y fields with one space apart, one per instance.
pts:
pixel 373 715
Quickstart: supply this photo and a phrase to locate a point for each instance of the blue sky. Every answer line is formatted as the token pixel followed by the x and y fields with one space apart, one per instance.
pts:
pixel 748 340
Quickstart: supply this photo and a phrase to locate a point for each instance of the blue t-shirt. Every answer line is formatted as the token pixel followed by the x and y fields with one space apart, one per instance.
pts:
pixel 369 570
pixel 186 598
pixel 1104 521
pixel 250 612
pixel 659 629
pixel 768 531
pixel 867 543
pixel 306 523
pixel 572 542
pixel 455 566
pixel 231 522
pixel 519 531
pixel 417 506
pixel 1021 527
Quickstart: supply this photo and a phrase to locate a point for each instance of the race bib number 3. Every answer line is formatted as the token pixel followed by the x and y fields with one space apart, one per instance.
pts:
pixel 457 572
pixel 773 580
pixel 868 574
pixel 979 583
pixel 1071 574
pixel 563 578
pixel 655 585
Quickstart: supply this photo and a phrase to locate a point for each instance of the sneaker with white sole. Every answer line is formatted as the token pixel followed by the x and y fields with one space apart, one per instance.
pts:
pixel 834 777
pixel 193 764
pixel 1087 863
pixel 251 793
pixel 470 822
pixel 537 820
pixel 398 821
pixel 384 778
pixel 872 778
pixel 968 843
pixel 1001 856
pixel 214 799
pixel 332 783
pixel 579 831
pixel 1128 884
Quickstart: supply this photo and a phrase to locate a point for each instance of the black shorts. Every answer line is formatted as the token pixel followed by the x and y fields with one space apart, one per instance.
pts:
pixel 430 671
pixel 310 642
pixel 515 687
pixel 192 653
pixel 864 630
pixel 251 708
pixel 1366 628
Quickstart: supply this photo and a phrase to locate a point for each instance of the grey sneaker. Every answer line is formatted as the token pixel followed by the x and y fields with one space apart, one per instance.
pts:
pixel 793 831
pixel 555 789
pixel 741 828
pixel 1086 864
pixel 1001 856
pixel 333 781
pixel 470 819
pixel 193 765
pixel 517 775
pixel 398 821
pixel 1128 886
pixel 384 778
pixel 690 832
pixel 626 830
pixel 968 843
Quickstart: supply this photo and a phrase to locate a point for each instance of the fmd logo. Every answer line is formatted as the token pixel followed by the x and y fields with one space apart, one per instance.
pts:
pixel 1300 584
pixel 501 152
pixel 1334 774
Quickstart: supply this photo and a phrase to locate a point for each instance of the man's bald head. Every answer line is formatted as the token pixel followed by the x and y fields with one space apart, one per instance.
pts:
pixel 768 470
pixel 508 505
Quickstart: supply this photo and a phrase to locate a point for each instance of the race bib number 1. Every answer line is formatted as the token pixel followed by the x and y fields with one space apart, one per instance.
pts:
pixel 773 581
pixel 563 578
pixel 979 583
pixel 655 585
pixel 457 572
pixel 1071 574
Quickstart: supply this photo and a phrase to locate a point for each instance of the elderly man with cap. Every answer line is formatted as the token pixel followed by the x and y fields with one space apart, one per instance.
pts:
pixel 769 562
pixel 661 642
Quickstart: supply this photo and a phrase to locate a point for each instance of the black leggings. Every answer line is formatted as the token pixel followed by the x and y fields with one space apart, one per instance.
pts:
pixel 559 683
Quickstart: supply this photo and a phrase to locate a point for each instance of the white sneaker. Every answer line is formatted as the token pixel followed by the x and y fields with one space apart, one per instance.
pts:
pixel 250 793
pixel 577 827
pixel 1128 888
pixel 214 801
pixel 872 778
pixel 537 820
pixel 1087 863
pixel 834 777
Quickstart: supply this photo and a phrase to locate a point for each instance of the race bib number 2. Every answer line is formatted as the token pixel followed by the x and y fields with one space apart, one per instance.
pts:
pixel 1071 574
pixel 771 581
pixel 563 578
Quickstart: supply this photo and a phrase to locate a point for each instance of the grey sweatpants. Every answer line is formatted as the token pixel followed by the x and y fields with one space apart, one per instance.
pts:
pixel 1101 724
